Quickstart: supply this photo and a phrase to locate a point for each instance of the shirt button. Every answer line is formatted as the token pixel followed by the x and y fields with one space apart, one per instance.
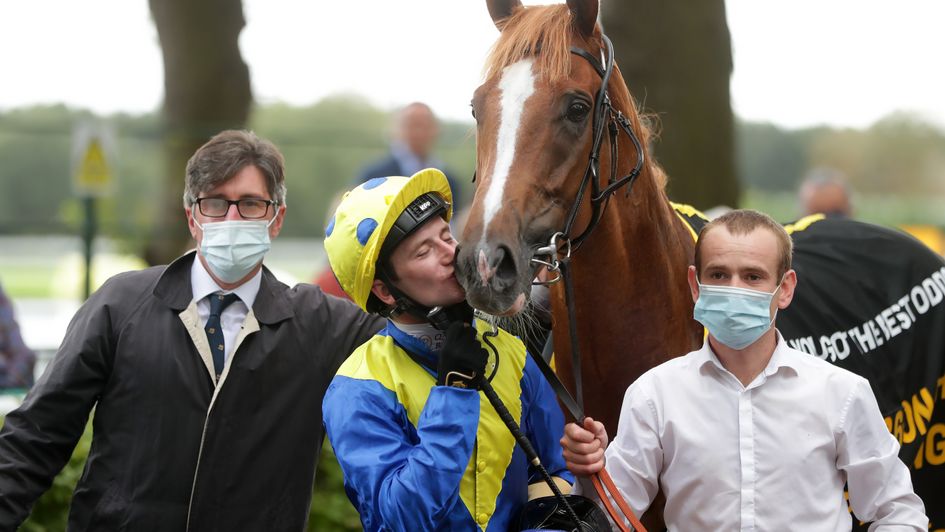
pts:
pixel 481 466
pixel 483 519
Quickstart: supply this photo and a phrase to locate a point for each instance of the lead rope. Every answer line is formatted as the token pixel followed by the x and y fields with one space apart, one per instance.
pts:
pixel 602 482
pixel 603 110
pixel 516 431
pixel 601 479
pixel 572 335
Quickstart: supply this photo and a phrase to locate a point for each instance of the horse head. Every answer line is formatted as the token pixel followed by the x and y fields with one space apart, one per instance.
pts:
pixel 539 116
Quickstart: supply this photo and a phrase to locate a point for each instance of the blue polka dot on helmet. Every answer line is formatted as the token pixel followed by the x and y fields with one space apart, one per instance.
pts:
pixel 365 229
pixel 331 227
pixel 375 212
pixel 374 183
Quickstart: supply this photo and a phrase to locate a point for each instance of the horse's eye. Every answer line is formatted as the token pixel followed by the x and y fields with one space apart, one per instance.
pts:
pixel 577 111
pixel 472 109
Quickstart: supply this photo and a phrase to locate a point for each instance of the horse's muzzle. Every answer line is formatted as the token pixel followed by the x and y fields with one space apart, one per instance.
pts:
pixel 491 277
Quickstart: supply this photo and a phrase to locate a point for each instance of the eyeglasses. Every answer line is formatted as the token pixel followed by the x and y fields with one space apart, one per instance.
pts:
pixel 249 208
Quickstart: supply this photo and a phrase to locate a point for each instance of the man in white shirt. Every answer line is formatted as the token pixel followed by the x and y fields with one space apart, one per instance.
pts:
pixel 747 433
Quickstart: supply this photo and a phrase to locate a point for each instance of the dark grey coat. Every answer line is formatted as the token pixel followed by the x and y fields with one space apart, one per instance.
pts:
pixel 163 456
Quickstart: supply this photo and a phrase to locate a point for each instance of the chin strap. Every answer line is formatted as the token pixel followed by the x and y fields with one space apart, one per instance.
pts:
pixel 403 304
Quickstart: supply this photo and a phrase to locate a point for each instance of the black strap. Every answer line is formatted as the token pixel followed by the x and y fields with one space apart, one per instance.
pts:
pixel 486 387
pixel 563 394
pixel 573 334
pixel 603 113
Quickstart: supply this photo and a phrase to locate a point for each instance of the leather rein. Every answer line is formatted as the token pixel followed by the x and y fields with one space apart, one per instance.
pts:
pixel 604 114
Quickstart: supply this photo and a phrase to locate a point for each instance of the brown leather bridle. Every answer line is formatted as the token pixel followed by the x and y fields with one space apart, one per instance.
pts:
pixel 604 113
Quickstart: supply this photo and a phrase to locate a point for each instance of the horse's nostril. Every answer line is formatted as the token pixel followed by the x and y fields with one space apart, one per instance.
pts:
pixel 505 265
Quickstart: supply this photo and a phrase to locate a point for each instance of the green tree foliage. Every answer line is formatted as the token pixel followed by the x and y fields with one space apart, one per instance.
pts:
pixel 900 155
pixel 326 143
pixel 770 158
pixel 901 152
pixel 36 192
pixel 331 510
pixel 34 185
pixel 895 168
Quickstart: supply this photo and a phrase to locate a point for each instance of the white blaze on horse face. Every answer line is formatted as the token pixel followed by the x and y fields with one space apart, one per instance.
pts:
pixel 517 84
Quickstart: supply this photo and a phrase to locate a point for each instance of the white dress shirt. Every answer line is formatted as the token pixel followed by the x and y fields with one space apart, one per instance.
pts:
pixel 231 320
pixel 773 455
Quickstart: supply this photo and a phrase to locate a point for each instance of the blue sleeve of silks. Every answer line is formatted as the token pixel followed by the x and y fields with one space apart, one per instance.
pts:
pixel 400 477
pixel 545 423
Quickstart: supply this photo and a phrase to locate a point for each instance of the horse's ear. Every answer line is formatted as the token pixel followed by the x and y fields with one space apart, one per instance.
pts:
pixel 585 15
pixel 500 10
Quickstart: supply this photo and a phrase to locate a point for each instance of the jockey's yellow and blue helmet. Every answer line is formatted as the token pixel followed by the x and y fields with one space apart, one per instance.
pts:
pixel 376 216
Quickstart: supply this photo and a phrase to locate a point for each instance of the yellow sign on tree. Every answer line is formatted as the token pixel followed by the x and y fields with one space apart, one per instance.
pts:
pixel 93 176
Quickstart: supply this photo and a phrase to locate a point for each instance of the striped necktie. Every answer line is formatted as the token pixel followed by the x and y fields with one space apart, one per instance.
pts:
pixel 214 331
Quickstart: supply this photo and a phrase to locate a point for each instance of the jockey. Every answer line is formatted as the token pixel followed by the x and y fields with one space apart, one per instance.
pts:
pixel 419 445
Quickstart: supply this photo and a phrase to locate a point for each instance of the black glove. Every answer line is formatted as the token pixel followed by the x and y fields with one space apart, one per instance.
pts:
pixel 463 359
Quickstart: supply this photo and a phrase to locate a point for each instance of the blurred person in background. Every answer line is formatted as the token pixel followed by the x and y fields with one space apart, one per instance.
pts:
pixel 415 131
pixel 206 375
pixel 825 190
pixel 16 360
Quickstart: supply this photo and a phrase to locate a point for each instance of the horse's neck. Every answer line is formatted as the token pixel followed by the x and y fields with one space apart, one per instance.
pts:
pixel 632 307
pixel 640 244
pixel 629 279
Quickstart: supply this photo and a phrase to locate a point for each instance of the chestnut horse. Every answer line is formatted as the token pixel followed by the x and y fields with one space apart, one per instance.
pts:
pixel 536 116
pixel 560 144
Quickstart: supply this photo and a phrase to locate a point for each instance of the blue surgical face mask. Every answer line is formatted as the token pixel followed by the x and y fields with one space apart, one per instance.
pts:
pixel 232 248
pixel 737 317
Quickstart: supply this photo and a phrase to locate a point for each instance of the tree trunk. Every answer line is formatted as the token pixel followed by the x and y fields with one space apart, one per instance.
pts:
pixel 206 90
pixel 676 58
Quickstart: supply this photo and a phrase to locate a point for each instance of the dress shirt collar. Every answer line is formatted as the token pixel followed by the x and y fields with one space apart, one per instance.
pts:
pixel 778 360
pixel 203 285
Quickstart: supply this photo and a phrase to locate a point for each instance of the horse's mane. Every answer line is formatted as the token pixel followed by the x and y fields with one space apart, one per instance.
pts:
pixel 549 29
pixel 545 28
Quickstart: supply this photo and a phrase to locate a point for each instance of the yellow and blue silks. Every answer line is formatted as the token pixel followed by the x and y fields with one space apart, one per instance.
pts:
pixel 416 456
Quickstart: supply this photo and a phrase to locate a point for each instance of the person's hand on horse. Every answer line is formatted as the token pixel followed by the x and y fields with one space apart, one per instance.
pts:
pixel 463 359
pixel 584 447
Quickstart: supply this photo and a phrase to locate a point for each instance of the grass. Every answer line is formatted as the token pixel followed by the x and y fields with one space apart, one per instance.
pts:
pixel 27 280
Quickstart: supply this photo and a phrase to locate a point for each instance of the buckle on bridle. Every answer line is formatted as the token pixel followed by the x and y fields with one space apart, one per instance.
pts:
pixel 552 251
